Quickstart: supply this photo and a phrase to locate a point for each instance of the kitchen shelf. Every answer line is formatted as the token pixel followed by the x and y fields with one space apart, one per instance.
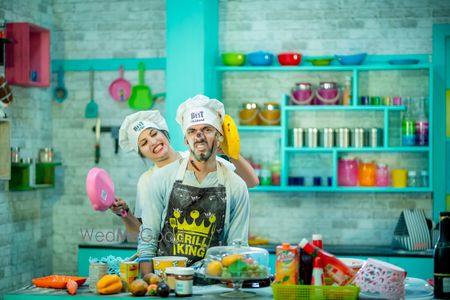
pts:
pixel 346 189
pixel 390 143
pixel 28 58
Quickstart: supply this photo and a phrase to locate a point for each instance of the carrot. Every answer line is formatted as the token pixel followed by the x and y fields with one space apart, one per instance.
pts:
pixel 72 287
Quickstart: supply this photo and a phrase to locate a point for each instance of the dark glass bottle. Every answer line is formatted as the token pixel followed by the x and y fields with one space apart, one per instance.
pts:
pixel 442 259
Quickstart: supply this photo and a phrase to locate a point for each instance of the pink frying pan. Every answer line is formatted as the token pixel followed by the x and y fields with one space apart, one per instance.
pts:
pixel 120 89
pixel 100 190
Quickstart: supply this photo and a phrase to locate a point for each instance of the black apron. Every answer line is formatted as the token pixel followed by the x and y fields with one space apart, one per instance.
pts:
pixel 195 218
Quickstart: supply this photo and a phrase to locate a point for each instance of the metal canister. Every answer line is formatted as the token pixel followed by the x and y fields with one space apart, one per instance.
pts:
pixel 129 272
pixel 375 137
pixel 312 137
pixel 342 137
pixel 358 137
pixel 297 137
pixel 365 100
pixel 46 155
pixel 327 137
pixel 15 155
pixel 96 272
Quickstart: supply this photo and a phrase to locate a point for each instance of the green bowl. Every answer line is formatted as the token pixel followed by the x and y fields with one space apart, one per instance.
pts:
pixel 233 59
pixel 320 61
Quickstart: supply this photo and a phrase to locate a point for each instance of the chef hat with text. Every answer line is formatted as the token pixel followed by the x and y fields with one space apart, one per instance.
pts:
pixel 200 110
pixel 135 123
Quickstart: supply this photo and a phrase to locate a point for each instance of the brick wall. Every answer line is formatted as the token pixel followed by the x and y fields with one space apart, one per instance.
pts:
pixel 26 223
pixel 51 220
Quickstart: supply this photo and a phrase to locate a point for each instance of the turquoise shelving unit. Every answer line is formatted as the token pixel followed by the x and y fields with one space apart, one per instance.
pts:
pixel 372 63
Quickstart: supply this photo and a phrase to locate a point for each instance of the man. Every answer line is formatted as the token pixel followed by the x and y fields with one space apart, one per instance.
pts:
pixel 194 203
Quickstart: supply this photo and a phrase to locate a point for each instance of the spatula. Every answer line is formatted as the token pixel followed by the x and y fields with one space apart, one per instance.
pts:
pixel 141 96
pixel 91 111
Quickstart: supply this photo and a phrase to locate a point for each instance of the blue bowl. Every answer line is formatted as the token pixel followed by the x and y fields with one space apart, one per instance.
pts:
pixel 260 58
pixel 355 59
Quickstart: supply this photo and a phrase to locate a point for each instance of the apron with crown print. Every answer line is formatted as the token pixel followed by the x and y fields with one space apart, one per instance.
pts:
pixel 195 218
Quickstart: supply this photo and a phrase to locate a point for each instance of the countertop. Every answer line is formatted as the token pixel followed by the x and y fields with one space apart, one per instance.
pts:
pixel 199 292
pixel 340 250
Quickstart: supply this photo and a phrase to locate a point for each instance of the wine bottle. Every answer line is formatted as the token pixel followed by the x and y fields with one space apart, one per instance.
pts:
pixel 442 259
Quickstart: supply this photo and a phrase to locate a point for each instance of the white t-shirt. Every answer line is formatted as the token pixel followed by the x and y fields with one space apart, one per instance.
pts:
pixel 147 174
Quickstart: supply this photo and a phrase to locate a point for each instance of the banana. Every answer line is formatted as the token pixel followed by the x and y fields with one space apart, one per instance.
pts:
pixel 230 145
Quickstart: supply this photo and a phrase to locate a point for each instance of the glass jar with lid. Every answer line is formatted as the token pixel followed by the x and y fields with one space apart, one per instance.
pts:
pixel 248 114
pixel 367 173
pixel 269 114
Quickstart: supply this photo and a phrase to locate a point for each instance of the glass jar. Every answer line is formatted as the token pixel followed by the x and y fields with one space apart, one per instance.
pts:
pixel 270 114
pixel 382 177
pixel 367 173
pixel 412 179
pixel 347 171
pixel 184 280
pixel 302 93
pixel 327 94
pixel 424 178
pixel 15 155
pixel 248 114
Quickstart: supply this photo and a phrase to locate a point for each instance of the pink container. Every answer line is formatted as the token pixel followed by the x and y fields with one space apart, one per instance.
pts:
pixel 302 93
pixel 347 171
pixel 382 176
pixel 327 94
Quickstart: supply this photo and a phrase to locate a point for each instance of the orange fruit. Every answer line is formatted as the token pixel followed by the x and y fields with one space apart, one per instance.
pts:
pixel 231 259
pixel 214 268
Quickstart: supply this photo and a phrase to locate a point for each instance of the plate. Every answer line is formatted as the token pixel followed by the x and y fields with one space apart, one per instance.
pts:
pixel 403 61
pixel 57 281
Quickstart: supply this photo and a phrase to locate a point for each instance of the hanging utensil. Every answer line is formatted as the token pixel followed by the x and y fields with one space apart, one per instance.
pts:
pixel 60 92
pixel 120 88
pixel 91 110
pixel 141 95
pixel 97 140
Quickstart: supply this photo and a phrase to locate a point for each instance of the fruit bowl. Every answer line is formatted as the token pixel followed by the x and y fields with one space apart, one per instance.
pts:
pixel 237 263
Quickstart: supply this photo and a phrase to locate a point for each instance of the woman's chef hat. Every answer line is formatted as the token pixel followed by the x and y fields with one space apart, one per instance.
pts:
pixel 135 123
pixel 200 110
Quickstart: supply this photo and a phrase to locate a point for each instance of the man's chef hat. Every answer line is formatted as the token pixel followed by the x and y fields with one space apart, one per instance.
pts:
pixel 135 123
pixel 200 110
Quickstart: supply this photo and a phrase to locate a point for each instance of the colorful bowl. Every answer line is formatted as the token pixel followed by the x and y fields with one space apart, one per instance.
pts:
pixel 355 59
pixel 320 60
pixel 260 58
pixel 289 58
pixel 233 59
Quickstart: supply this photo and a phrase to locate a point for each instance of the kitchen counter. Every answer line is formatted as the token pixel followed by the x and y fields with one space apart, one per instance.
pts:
pixel 200 292
pixel 339 250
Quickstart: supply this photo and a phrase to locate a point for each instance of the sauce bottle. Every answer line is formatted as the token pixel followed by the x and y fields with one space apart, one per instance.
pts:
pixel 442 259
pixel 334 267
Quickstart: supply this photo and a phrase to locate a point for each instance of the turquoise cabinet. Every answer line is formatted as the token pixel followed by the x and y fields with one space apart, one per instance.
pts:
pixel 387 117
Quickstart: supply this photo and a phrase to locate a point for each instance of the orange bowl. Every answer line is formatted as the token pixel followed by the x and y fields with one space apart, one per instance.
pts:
pixel 57 281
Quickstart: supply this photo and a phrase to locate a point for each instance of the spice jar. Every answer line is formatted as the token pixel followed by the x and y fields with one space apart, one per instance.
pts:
pixel 170 277
pixel 248 114
pixel 270 114
pixel 184 279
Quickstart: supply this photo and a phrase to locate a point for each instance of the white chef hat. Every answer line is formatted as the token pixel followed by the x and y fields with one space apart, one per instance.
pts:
pixel 135 123
pixel 200 110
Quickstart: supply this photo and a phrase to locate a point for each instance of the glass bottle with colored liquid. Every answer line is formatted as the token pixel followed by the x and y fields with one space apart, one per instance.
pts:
pixel 421 124
pixel 408 124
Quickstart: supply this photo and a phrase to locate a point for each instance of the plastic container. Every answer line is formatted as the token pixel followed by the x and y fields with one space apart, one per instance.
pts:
pixel 269 114
pixel 237 262
pixel 302 93
pixel 399 178
pixel 347 171
pixel 248 114
pixel 382 177
pixel 367 173
pixel 327 94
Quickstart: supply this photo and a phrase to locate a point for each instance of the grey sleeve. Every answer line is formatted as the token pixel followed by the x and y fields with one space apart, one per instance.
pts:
pixel 239 214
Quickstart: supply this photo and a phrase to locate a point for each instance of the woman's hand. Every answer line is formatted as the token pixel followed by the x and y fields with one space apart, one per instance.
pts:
pixel 119 206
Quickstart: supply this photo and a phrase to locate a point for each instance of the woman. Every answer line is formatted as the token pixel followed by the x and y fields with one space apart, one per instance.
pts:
pixel 146 133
